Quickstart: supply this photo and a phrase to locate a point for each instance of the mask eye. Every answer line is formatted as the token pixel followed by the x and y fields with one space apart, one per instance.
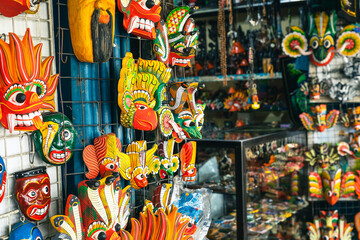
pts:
pixel 191 171
pixel 141 106
pixel 166 165
pixel 315 44
pixel 66 135
pixel 46 190
pixel 327 43
pixel 39 88
pixel 1 168
pixel 32 193
pixel 140 177
pixel 329 193
pixel 38 238
pixel 110 166
pixel 189 123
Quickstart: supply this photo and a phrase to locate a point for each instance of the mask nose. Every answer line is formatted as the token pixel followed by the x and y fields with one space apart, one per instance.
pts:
pixel 33 98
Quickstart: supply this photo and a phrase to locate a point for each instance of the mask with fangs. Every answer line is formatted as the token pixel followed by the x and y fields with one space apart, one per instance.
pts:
pixel 140 16
pixel 26 85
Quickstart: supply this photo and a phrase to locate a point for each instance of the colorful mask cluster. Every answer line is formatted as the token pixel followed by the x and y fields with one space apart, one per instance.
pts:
pixel 187 114
pixel 12 8
pixel 321 40
pixel 314 88
pixel 140 92
pixel 26 86
pixel 140 16
pixel 352 118
pixel 92 27
pixel 2 179
pixel 32 192
pixel 329 227
pixel 25 231
pixel 319 120
pixel 141 163
pixel 55 140
pixel 322 155
pixel 104 156
pixel 100 211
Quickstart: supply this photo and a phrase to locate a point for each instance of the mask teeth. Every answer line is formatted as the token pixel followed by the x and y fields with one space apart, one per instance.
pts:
pixel 11 122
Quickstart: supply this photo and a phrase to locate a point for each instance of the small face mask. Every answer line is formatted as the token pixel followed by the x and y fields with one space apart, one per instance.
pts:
pixel 140 16
pixel 26 86
pixel 55 140
pixel 2 179
pixel 188 157
pixel 25 231
pixel 92 29
pixel 11 8
pixel 32 191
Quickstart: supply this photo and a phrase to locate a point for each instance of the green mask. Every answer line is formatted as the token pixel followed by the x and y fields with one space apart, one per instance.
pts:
pixel 55 140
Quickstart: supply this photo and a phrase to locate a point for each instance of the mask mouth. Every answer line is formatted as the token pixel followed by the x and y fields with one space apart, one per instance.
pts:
pixel 316 59
pixel 101 35
pixel 25 122
pixel 142 27
pixel 60 156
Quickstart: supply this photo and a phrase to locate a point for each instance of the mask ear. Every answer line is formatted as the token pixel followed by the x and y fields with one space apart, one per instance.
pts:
pixel 127 100
pixel 91 162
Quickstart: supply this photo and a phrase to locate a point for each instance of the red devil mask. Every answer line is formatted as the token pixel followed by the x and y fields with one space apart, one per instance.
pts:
pixel 26 86
pixel 32 191
pixel 140 16
pixel 11 8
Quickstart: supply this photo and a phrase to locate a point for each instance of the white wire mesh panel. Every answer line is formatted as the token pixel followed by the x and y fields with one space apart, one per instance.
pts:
pixel 17 148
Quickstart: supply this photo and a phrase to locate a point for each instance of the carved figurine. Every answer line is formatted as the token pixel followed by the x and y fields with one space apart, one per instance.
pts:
pixel 187 158
pixel 322 43
pixel 319 120
pixel 329 227
pixel 12 8
pixel 104 156
pixel 140 92
pixel 140 16
pixel 55 140
pixel 169 163
pixel 92 27
pixel 188 114
pixel 314 88
pixel 323 155
pixel 32 192
pixel 26 85
pixel 25 231
pixel 100 212
pixel 331 186
pixel 2 179
pixel 182 36
pixel 141 163
pixel 352 118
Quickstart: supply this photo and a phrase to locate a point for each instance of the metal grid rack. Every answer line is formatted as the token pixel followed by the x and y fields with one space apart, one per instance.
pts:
pixel 17 148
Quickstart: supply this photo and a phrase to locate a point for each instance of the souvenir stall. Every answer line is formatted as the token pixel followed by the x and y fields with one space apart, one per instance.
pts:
pixel 190 119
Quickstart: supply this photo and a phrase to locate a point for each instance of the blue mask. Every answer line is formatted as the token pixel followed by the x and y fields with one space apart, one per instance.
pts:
pixel 2 179
pixel 25 231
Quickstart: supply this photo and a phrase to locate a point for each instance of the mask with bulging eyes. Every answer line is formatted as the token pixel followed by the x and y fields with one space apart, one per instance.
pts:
pixel 55 140
pixel 187 114
pixel 11 8
pixel 140 16
pixel 25 231
pixel 32 192
pixel 26 85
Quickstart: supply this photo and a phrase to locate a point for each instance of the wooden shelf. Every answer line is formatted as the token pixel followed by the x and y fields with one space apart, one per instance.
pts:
pixel 242 77
pixel 327 99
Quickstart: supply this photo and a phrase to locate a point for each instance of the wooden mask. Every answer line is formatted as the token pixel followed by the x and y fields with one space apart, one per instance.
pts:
pixel 188 115
pixel 32 191
pixel 25 231
pixel 100 211
pixel 11 8
pixel 92 29
pixel 141 163
pixel 319 120
pixel 187 158
pixel 26 86
pixel 55 140
pixel 169 162
pixel 2 179
pixel 104 156
pixel 140 16
pixel 140 88
pixel 182 36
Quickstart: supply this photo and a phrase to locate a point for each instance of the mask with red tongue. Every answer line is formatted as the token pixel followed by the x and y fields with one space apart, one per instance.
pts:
pixel 26 85
pixel 140 16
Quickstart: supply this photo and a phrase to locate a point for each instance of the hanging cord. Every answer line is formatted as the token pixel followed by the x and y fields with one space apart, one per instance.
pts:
pixel 222 34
